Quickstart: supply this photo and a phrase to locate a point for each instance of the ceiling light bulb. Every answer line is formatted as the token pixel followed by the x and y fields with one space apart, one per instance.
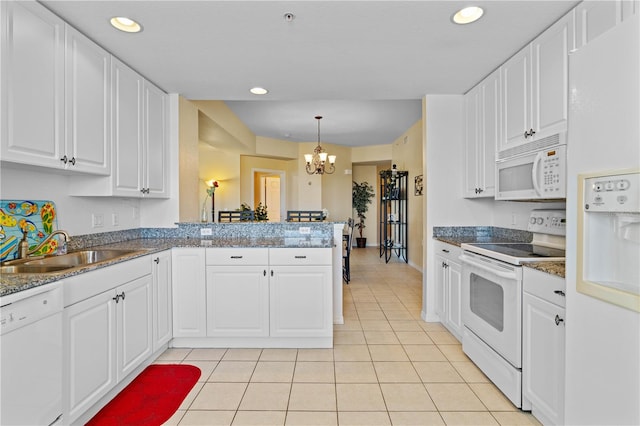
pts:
pixel 259 91
pixel 125 24
pixel 468 15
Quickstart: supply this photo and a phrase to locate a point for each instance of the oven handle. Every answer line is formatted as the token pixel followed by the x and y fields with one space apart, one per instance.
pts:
pixel 470 261
pixel 534 173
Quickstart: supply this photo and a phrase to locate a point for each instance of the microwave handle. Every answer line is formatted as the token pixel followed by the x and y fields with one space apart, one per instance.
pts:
pixel 534 173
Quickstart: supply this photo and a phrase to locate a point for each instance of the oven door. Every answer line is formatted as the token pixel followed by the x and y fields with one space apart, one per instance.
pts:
pixel 492 304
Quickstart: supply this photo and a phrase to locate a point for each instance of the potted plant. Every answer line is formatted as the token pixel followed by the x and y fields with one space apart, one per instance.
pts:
pixel 362 194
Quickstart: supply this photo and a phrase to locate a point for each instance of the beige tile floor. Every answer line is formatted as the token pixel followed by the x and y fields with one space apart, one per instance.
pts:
pixel 387 367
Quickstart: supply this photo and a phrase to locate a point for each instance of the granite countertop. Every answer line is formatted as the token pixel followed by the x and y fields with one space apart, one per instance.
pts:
pixel 13 283
pixel 553 268
pixel 457 235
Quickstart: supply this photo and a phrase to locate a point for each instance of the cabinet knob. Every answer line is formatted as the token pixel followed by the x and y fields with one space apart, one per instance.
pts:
pixel 526 134
pixel 532 132
pixel 300 257
pixel 157 260
pixel 445 250
pixel 122 295
pixel 236 257
pixel 64 159
pixel 559 292
pixel 558 320
pixel 480 190
pixel 73 161
pixel 272 272
pixel 264 273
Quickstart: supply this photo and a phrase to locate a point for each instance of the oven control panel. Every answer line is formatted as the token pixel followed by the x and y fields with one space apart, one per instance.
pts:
pixel 552 222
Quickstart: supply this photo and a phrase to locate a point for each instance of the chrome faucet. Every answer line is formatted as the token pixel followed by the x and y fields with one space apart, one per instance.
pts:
pixel 23 247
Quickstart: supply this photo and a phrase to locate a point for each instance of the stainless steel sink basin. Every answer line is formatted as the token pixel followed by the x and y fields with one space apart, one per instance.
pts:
pixel 31 269
pixel 51 264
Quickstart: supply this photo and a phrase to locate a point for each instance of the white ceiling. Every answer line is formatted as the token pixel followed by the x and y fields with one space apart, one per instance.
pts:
pixel 363 65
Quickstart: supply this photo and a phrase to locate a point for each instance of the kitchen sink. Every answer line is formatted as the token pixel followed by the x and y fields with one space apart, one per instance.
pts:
pixel 52 264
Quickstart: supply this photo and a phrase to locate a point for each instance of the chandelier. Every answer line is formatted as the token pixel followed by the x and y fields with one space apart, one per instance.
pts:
pixel 316 161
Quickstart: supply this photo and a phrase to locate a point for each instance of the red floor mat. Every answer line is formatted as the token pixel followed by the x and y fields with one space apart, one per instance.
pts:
pixel 152 397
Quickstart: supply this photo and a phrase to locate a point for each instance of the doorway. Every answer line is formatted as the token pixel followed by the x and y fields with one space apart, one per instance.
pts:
pixel 269 189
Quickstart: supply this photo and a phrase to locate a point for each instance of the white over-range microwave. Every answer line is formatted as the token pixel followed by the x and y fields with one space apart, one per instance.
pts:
pixel 537 175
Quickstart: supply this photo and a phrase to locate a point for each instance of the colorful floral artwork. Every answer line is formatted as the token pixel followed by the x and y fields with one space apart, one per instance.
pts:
pixel 38 218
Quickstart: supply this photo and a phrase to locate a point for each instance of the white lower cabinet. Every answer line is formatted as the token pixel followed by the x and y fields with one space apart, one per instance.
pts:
pixel 253 297
pixel 162 303
pixel 188 281
pixel 448 287
pixel 105 335
pixel 300 301
pixel 543 345
pixel 237 301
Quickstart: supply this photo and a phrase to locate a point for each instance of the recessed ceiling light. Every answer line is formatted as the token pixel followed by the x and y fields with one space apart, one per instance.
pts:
pixel 468 15
pixel 125 24
pixel 259 91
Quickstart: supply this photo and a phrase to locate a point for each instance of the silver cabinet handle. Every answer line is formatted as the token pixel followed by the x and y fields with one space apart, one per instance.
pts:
pixel 236 257
pixel 300 257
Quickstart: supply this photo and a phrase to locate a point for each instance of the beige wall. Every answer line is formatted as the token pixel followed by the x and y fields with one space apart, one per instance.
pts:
pixel 407 155
pixel 368 173
pixel 249 163
pixel 188 163
pixel 371 154
pixel 220 113
pixel 223 167
pixel 276 148
pixel 336 187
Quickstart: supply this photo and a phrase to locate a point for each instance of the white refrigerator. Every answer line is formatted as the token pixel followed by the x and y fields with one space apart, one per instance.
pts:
pixel 602 383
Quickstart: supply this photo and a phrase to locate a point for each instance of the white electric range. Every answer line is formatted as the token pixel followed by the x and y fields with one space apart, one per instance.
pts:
pixel 492 299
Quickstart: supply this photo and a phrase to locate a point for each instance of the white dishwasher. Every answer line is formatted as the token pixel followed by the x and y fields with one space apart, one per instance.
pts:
pixel 31 349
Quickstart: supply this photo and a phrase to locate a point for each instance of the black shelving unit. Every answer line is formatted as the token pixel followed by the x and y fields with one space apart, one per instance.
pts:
pixel 393 214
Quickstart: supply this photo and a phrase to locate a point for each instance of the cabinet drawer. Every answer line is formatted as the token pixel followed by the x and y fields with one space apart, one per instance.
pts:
pixel 449 251
pixel 546 286
pixel 237 256
pixel 300 256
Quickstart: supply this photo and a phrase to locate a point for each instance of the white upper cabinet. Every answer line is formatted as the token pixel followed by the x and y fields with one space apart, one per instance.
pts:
pixel 140 140
pixel 594 18
pixel 482 114
pixel 535 90
pixel 155 168
pixel 31 85
pixel 127 130
pixel 87 104
pixel 55 93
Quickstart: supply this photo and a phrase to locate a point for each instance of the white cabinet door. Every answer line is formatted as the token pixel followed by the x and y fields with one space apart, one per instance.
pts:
pixel 550 85
pixel 440 289
pixel 155 157
pixel 188 282
pixel 301 301
pixel 543 358
pixel 162 325
pixel 87 104
pixel 134 316
pixel 237 301
pixel 482 112
pixel 594 18
pixel 454 298
pixel 90 353
pixel 127 130
pixel 31 85
pixel 472 130
pixel 516 92
pixel 490 134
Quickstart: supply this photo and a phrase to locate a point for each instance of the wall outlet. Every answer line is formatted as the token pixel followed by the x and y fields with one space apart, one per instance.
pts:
pixel 304 230
pixel 514 218
pixel 115 220
pixel 97 220
pixel 206 231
